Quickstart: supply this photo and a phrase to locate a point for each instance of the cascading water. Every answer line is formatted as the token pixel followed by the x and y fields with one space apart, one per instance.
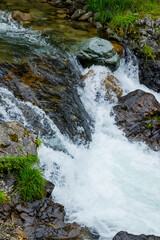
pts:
pixel 110 185
pixel 114 184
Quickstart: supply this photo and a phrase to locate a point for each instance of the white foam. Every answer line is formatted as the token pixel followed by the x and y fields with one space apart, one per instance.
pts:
pixel 114 184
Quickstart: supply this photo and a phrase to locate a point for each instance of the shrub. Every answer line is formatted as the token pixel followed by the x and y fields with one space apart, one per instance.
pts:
pixel 3 197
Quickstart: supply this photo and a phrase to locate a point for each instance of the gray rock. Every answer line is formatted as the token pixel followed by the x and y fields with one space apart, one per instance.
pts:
pixel 16 140
pixel 127 236
pixel 86 16
pixel 99 52
pixel 78 13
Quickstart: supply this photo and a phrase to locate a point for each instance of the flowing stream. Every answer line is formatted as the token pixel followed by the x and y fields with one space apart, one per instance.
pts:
pixel 110 185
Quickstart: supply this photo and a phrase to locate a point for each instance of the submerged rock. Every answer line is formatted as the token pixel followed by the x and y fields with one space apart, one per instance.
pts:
pixel 20 16
pixel 127 236
pixel 99 52
pixel 138 114
pixel 112 84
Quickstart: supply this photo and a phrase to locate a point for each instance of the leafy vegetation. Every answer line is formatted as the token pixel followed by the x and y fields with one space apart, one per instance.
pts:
pixel 3 197
pixel 30 181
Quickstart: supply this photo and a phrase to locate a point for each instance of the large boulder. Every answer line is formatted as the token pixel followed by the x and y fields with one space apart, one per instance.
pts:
pixel 127 236
pixel 138 114
pixel 99 52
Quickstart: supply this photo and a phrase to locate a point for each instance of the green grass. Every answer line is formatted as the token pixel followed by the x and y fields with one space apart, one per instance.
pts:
pixel 30 181
pixel 9 164
pixel 3 197
pixel 31 184
pixel 123 13
pixel 148 52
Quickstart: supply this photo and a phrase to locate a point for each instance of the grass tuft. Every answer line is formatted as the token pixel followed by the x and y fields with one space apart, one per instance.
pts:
pixel 3 197
pixel 30 181
pixel 31 184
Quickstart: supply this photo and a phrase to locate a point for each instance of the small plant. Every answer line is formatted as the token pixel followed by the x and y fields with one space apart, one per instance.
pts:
pixel 39 142
pixel 148 51
pixel 31 184
pixel 3 197
pixel 149 125
pixel 30 181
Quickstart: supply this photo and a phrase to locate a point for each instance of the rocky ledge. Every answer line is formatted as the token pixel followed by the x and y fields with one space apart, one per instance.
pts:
pixel 38 219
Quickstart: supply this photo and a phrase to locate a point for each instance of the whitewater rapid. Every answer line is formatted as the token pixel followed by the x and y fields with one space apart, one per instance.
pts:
pixel 110 185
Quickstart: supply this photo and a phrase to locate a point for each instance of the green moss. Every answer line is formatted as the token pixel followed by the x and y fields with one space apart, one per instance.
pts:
pixel 148 51
pixel 14 137
pixel 30 181
pixel 3 197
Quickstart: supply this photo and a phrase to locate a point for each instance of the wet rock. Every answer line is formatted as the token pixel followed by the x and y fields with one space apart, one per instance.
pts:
pixel 99 52
pixel 119 49
pixel 78 13
pixel 146 35
pixel 127 236
pixel 16 140
pixel 86 16
pixel 138 114
pixel 149 73
pixel 113 86
pixel 51 84
pixel 20 16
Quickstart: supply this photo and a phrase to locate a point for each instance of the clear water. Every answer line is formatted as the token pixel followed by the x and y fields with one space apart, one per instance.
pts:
pixel 113 184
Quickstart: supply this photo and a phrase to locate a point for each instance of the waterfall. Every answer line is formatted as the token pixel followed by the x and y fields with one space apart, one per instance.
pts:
pixel 110 185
